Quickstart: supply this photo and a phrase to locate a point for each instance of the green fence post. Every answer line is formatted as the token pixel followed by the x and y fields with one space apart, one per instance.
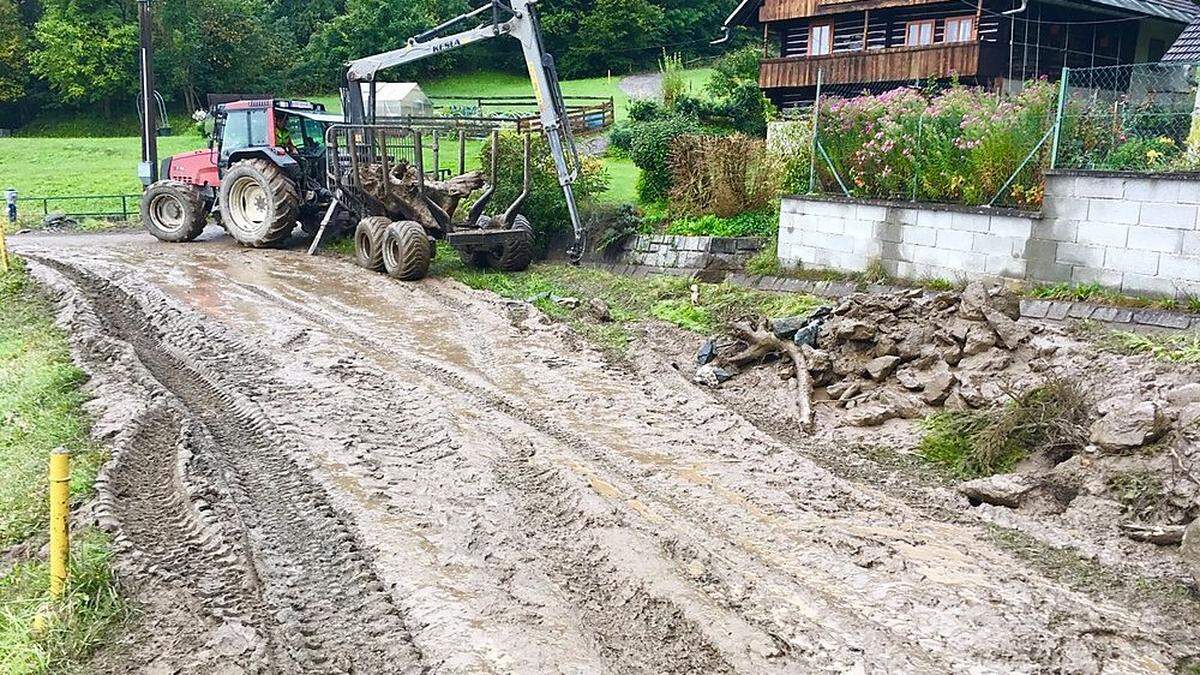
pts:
pixel 1058 116
pixel 816 119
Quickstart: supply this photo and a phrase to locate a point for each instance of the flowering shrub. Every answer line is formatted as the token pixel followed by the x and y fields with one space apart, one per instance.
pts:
pixel 958 145
pixel 1120 134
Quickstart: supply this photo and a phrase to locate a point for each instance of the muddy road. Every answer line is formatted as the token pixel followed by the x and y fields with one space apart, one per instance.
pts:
pixel 320 469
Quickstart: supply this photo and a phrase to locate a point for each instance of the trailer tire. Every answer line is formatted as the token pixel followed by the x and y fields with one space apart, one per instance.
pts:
pixel 259 203
pixel 406 250
pixel 173 211
pixel 517 253
pixel 368 242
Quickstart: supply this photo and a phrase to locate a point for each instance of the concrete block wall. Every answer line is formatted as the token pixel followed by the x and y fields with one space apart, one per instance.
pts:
pixel 1135 234
pixel 910 240
pixel 675 251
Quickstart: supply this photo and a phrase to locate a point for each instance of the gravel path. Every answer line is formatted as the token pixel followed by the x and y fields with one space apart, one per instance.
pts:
pixel 644 85
pixel 321 469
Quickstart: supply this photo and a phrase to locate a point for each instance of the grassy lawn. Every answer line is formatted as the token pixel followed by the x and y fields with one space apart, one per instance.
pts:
pixel 59 165
pixel 40 406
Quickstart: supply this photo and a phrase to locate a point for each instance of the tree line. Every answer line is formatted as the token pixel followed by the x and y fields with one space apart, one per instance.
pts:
pixel 81 54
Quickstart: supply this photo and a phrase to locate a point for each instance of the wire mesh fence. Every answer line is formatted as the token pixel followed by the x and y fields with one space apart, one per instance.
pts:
pixel 938 142
pixel 1137 117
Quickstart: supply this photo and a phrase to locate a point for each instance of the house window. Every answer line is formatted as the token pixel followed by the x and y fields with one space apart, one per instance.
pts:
pixel 918 33
pixel 959 29
pixel 820 39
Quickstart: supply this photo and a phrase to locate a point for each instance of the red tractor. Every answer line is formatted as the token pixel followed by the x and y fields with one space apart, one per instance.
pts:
pixel 263 172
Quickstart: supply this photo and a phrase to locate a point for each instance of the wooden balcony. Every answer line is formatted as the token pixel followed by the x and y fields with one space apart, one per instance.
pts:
pixel 897 64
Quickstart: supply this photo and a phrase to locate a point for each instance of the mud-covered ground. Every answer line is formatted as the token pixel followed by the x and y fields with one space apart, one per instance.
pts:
pixel 321 469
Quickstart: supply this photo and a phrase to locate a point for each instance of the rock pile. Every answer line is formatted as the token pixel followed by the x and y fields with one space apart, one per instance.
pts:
pixel 886 356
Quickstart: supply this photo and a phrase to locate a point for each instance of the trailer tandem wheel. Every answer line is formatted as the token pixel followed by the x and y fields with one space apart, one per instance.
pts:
pixel 406 250
pixel 368 242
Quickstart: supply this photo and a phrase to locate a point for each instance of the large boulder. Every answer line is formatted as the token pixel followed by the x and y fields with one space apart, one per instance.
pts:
pixel 1006 489
pixel 978 296
pixel 872 414
pixel 1010 333
pixel 881 368
pixel 1131 426
pixel 937 385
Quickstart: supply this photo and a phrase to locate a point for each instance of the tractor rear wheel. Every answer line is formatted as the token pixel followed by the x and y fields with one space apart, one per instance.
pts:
pixel 368 242
pixel 259 203
pixel 518 252
pixel 406 250
pixel 173 211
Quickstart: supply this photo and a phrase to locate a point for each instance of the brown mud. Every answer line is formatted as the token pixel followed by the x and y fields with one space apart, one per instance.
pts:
pixel 321 469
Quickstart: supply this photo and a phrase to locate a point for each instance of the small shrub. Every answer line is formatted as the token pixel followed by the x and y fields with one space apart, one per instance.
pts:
pixel 1050 419
pixel 673 82
pixel 621 137
pixel 612 225
pixel 1140 492
pixel 650 150
pixel 724 175
pixel 647 109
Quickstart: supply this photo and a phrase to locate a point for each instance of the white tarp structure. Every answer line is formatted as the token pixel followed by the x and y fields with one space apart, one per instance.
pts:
pixel 398 99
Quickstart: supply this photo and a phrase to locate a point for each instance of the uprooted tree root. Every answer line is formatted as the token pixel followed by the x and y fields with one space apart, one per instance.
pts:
pixel 761 343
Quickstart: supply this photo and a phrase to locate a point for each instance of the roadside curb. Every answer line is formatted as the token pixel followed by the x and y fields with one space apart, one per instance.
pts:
pixel 1031 308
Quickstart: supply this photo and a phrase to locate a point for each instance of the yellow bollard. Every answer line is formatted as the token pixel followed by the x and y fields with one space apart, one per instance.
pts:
pixel 60 488
pixel 3 253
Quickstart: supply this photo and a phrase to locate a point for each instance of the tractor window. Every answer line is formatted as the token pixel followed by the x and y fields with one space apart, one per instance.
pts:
pixel 244 129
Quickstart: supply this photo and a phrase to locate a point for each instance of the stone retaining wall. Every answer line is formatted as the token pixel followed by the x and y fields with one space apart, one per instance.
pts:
pixel 1128 232
pixel 665 250
pixel 1052 310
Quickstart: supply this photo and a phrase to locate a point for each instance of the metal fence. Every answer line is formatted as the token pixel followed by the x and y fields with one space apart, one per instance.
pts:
pixel 1140 117
pixel 110 207
pixel 936 143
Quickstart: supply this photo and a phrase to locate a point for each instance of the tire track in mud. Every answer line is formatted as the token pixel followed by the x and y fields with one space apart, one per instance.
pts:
pixel 307 582
pixel 908 634
pixel 802 638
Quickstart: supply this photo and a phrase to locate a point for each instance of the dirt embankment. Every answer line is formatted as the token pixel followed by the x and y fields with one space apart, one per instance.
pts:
pixel 319 469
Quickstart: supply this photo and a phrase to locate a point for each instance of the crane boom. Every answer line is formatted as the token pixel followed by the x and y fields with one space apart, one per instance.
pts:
pixel 517 19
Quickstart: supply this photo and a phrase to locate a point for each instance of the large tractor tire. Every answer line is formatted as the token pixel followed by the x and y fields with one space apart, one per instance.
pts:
pixel 259 203
pixel 368 242
pixel 406 250
pixel 173 211
pixel 518 253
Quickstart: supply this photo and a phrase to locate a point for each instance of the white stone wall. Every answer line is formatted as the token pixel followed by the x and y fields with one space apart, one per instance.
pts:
pixel 666 250
pixel 911 241
pixel 1133 234
pixel 1130 233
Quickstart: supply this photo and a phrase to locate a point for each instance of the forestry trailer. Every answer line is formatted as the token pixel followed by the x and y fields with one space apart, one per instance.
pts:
pixel 272 164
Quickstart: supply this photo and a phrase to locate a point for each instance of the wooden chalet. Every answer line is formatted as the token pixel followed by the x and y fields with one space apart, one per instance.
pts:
pixel 874 45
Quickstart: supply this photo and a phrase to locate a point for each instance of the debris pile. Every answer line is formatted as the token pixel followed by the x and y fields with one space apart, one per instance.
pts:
pixel 888 356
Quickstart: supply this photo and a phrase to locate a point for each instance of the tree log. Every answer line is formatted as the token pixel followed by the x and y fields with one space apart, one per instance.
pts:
pixel 398 193
pixel 760 343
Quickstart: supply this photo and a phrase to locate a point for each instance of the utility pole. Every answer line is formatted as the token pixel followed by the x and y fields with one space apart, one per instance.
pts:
pixel 148 169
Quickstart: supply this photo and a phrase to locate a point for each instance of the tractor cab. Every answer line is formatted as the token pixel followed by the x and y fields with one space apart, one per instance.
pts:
pixel 263 171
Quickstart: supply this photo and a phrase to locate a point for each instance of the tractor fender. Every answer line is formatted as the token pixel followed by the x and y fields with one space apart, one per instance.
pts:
pixel 285 162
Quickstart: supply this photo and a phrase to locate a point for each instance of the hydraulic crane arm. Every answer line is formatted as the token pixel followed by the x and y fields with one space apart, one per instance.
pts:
pixel 516 19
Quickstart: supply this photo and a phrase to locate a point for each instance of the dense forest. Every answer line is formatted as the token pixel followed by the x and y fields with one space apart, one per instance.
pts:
pixel 80 54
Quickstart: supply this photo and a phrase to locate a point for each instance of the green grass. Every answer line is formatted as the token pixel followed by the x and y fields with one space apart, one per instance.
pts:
pixel 622 181
pixel 40 409
pixel 664 297
pixel 1172 348
pixel 1094 292
pixel 48 167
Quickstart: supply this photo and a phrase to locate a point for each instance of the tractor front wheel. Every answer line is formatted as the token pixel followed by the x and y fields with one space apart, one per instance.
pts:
pixel 406 250
pixel 173 211
pixel 259 203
